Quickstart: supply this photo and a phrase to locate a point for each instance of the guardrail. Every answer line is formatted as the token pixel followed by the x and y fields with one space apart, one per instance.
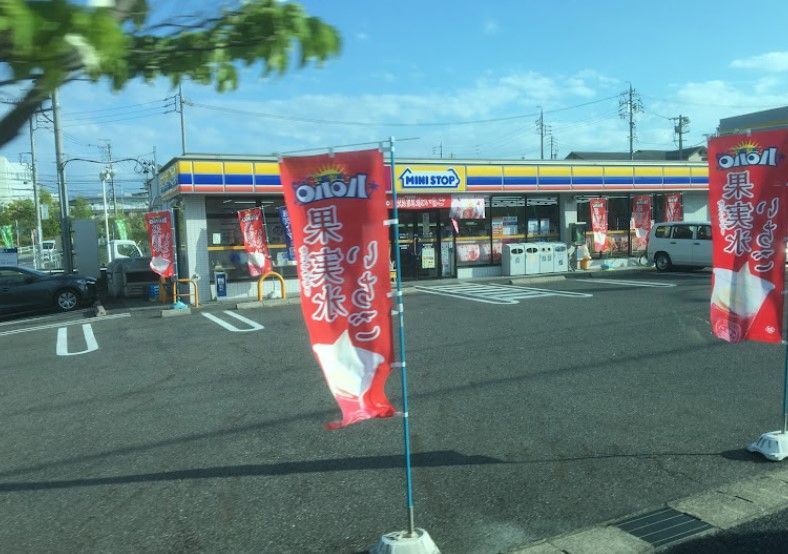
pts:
pixel 275 275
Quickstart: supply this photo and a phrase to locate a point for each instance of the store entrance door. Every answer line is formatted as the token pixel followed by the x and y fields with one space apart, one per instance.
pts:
pixel 421 245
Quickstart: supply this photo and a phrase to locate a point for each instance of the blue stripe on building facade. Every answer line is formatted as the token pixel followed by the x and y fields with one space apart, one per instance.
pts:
pixel 238 180
pixel 519 180
pixel 207 179
pixel 267 180
pixel 484 180
pixel 184 178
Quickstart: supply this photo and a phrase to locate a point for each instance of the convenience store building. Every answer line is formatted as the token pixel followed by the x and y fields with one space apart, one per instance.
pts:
pixel 508 201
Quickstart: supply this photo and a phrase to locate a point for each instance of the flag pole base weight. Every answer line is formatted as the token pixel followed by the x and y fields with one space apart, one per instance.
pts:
pixel 773 445
pixel 399 542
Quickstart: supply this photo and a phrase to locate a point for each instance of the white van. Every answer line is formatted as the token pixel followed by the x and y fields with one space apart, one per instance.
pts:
pixel 680 243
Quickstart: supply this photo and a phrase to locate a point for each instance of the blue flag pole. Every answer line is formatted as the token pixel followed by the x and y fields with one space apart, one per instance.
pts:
pixel 404 368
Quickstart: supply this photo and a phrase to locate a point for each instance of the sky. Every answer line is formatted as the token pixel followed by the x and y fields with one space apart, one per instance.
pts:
pixel 457 79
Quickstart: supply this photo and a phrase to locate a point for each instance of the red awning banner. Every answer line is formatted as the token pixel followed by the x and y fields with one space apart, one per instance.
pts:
pixel 162 243
pixel 337 208
pixel 641 220
pixel 258 261
pixel 748 203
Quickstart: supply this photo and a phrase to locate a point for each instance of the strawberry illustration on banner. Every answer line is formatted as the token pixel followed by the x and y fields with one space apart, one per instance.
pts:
pixel 748 203
pixel 598 208
pixel 337 209
pixel 258 262
pixel 162 247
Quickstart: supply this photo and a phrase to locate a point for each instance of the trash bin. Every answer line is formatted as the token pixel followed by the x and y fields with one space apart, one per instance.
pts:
pixel 546 257
pixel 153 292
pixel 532 257
pixel 560 258
pixel 513 259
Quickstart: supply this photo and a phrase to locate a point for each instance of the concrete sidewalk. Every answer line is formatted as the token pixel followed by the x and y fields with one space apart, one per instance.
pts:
pixel 723 509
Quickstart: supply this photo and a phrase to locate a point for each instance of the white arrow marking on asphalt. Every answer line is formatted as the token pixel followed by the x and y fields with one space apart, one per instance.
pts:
pixel 253 325
pixel 631 283
pixel 62 341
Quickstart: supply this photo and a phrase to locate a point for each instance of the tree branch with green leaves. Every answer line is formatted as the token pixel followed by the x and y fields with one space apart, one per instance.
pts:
pixel 46 43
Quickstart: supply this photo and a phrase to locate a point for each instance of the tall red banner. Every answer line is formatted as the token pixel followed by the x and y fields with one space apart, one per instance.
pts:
pixel 162 242
pixel 748 203
pixel 641 220
pixel 673 207
pixel 598 208
pixel 258 261
pixel 337 207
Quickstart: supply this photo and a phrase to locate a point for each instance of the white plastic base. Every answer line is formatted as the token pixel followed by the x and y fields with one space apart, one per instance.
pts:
pixel 773 446
pixel 399 542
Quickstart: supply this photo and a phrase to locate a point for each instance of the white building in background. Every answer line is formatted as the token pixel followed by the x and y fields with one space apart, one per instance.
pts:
pixel 15 181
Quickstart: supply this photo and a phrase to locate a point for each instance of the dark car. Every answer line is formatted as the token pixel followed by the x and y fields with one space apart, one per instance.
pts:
pixel 26 290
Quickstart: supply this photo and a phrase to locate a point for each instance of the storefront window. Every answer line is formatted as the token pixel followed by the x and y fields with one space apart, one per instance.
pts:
pixel 508 223
pixel 620 234
pixel 225 242
pixel 543 219
pixel 473 242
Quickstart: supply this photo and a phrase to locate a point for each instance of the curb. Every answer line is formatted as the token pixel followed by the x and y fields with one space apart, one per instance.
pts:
pixel 721 508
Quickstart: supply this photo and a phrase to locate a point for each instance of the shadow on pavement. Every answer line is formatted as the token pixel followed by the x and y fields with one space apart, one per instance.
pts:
pixel 743 455
pixel 439 458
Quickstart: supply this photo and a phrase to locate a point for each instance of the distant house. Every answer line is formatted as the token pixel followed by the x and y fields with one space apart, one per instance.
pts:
pixel 756 121
pixel 692 154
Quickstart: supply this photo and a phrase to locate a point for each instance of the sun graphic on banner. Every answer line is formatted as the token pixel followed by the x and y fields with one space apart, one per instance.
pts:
pixel 746 147
pixel 329 171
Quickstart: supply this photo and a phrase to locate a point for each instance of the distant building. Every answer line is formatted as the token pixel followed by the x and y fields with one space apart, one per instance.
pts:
pixel 693 154
pixel 755 121
pixel 14 182
pixel 127 203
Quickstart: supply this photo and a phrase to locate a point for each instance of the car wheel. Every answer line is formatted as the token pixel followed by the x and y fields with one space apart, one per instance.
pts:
pixel 662 262
pixel 66 300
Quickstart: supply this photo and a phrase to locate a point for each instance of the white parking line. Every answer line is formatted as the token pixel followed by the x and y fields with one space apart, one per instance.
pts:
pixel 631 283
pixel 496 294
pixel 63 324
pixel 253 325
pixel 62 341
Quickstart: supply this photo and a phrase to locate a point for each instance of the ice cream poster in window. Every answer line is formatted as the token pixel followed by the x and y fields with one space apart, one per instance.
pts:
pixel 748 197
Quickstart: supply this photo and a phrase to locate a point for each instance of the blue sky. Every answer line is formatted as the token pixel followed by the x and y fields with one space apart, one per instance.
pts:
pixel 440 69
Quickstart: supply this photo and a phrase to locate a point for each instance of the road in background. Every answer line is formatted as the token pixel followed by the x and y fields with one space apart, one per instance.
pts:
pixel 529 420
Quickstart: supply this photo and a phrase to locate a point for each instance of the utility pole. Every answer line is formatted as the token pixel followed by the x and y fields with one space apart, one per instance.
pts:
pixel 628 105
pixel 111 176
pixel 540 128
pixel 680 128
pixel 35 191
pixel 553 147
pixel 183 128
pixel 65 221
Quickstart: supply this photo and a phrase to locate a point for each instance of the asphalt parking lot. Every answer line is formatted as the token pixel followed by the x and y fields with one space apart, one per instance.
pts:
pixel 534 410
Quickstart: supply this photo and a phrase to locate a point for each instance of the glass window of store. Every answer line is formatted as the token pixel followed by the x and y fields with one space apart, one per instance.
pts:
pixel 543 219
pixel 474 240
pixel 508 222
pixel 225 241
pixel 620 233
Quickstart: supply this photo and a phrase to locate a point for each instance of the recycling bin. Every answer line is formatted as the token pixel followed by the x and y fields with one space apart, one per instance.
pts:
pixel 513 259
pixel 533 264
pixel 560 257
pixel 546 255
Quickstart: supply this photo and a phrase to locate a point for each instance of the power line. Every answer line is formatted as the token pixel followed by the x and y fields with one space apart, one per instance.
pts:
pixel 383 123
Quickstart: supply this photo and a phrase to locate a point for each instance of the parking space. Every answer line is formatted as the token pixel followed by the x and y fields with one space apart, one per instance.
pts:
pixel 196 432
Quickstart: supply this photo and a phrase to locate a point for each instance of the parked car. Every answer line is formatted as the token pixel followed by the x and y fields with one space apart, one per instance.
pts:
pixel 683 243
pixel 25 290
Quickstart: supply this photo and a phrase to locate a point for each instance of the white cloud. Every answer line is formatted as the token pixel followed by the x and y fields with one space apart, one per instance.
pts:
pixel 775 62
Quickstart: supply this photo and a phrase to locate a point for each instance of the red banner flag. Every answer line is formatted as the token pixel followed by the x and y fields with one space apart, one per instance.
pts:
pixel 162 243
pixel 337 207
pixel 748 203
pixel 673 207
pixel 641 220
pixel 599 222
pixel 258 261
